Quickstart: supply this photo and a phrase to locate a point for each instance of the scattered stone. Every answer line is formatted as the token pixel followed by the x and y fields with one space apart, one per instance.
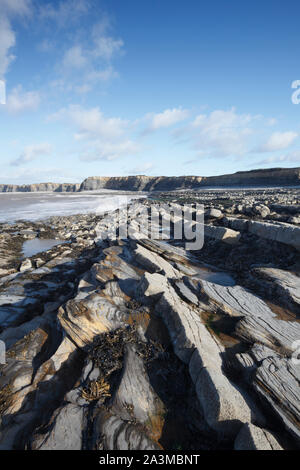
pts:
pixel 25 265
pixel 213 213
pixel 111 344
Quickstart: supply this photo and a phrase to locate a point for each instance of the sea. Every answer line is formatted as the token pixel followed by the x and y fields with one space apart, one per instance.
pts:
pixel 41 205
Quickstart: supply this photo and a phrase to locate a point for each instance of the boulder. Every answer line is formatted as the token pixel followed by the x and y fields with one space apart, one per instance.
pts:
pixel 223 234
pixel 261 210
pixel 213 213
pixel 25 265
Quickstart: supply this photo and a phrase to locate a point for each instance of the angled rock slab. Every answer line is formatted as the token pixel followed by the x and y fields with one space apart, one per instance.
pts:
pixel 223 405
pixel 277 334
pixel 117 434
pixel 236 223
pixel 236 300
pixel 280 232
pixel 283 283
pixel 186 293
pixel 135 397
pixel 65 432
pixel 154 263
pixel 277 381
pixel 223 234
pixel 82 320
pixel 260 323
pixel 252 437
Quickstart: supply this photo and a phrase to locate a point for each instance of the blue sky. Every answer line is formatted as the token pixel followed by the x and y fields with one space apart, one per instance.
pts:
pixel 114 87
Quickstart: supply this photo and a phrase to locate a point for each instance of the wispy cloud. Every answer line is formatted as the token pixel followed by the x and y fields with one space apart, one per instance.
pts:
pixel 102 138
pixel 141 169
pixel 63 12
pixel 10 11
pixel 91 122
pixel 278 141
pixel 110 150
pixel 30 175
pixel 31 152
pixel 222 133
pixel 86 54
pixel 291 157
pixel 74 58
pixel 19 100
pixel 165 119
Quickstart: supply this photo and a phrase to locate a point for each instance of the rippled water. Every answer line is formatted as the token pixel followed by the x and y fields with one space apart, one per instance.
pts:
pixel 36 206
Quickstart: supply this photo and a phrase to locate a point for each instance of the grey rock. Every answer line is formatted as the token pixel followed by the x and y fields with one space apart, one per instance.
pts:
pixel 119 435
pixel 25 265
pixel 66 430
pixel 277 382
pixel 283 283
pixel 252 437
pixel 213 213
pixel 137 395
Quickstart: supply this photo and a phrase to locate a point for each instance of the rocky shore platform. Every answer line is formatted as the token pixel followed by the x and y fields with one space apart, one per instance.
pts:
pixel 139 343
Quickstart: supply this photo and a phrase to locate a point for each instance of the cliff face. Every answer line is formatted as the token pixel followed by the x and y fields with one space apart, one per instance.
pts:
pixel 268 177
pixel 141 183
pixel 32 188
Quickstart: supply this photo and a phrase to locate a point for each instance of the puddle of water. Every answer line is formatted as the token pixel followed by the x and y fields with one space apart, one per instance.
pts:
pixel 217 277
pixel 37 245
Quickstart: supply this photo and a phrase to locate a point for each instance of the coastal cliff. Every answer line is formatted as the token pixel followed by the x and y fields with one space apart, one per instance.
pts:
pixel 32 188
pixel 141 183
pixel 253 178
pixel 265 177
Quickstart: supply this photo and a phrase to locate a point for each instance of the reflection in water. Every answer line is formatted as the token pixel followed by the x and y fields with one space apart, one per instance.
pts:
pixel 217 277
pixel 32 247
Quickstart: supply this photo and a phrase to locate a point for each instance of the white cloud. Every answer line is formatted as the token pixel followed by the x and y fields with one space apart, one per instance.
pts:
pixel 141 169
pixel 222 133
pixel 278 141
pixel 106 47
pixel 86 57
pixel 7 41
pixel 16 7
pixel 167 118
pixel 106 136
pixel 10 10
pixel 74 58
pixel 66 11
pixel 103 75
pixel 31 152
pixel 19 100
pixel 110 150
pixel 286 158
pixel 31 175
pixel 91 123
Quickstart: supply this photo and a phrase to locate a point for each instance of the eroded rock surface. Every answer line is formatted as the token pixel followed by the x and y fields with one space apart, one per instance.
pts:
pixel 120 344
